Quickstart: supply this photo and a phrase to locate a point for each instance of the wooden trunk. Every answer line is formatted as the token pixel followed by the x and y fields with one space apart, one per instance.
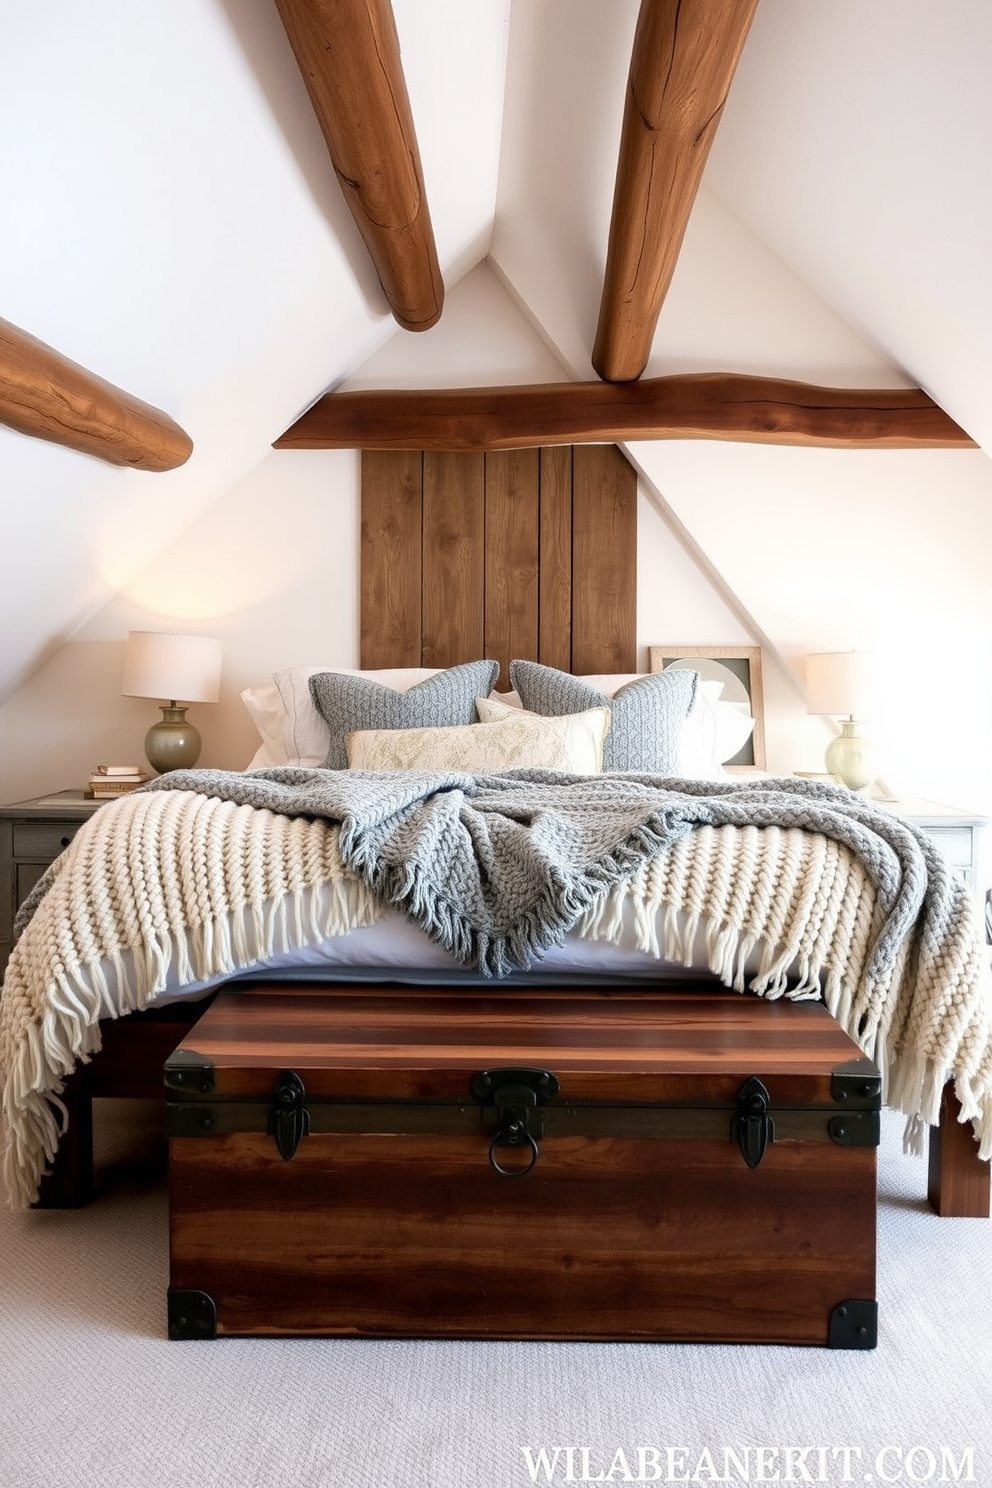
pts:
pixel 689 1165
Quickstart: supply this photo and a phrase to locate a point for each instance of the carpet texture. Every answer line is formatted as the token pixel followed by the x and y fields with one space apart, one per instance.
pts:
pixel 92 1394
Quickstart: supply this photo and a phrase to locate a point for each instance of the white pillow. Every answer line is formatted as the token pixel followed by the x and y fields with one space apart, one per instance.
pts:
pixel 267 713
pixel 260 760
pixel 514 741
pixel 500 705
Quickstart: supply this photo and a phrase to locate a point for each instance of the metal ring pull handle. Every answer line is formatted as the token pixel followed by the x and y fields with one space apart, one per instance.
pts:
pixel 513 1099
pixel 512 1131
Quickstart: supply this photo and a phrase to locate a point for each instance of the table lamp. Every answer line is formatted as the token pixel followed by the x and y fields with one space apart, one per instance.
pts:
pixel 839 683
pixel 177 667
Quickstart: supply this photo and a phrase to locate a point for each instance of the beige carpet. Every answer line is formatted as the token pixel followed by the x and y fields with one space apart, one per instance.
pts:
pixel 92 1394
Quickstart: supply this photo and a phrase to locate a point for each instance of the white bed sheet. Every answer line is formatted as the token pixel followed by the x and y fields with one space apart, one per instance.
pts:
pixel 395 949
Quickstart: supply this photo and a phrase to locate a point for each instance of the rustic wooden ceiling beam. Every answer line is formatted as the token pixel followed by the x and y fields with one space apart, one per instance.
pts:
pixel 46 396
pixel 684 57
pixel 349 54
pixel 757 410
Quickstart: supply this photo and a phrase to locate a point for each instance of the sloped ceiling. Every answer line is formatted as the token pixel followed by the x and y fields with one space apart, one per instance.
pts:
pixel 171 223
pixel 872 123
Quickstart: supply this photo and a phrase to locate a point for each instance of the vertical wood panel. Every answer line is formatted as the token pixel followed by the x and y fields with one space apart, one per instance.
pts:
pixel 512 535
pixel 555 630
pixel 604 560
pixel 454 559
pixel 391 557
pixel 449 546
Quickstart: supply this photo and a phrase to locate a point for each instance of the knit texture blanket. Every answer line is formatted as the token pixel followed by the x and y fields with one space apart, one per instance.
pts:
pixel 497 869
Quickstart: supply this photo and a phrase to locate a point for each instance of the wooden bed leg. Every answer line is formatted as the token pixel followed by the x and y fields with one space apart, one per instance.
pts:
pixel 69 1185
pixel 959 1180
pixel 128 1065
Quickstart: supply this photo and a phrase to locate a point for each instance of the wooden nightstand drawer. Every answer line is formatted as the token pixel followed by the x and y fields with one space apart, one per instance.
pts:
pixel 42 841
pixel 955 834
pixel 32 834
pixel 955 843
pixel 26 875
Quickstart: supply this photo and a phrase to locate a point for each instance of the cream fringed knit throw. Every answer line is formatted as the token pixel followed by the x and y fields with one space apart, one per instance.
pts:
pixel 169 879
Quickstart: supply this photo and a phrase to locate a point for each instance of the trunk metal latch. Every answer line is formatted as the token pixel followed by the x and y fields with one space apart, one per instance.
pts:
pixel 753 1128
pixel 512 1101
pixel 289 1121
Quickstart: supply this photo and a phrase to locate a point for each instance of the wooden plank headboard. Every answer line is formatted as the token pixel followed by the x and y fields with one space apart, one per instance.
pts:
pixel 513 553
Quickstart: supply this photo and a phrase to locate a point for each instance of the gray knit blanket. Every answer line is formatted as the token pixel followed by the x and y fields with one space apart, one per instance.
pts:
pixel 498 868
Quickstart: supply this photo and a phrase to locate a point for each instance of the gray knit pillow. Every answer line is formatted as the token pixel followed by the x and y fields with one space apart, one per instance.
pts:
pixel 646 715
pixel 347 703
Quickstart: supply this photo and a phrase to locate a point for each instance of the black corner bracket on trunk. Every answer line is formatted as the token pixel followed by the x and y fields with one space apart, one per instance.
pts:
pixel 192 1314
pixel 854 1325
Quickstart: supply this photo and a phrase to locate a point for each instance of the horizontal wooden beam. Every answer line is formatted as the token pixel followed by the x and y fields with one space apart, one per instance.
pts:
pixel 711 405
pixel 349 54
pixel 683 60
pixel 46 396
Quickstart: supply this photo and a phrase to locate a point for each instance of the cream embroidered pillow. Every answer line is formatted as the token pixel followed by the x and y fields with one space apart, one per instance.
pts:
pixel 573 744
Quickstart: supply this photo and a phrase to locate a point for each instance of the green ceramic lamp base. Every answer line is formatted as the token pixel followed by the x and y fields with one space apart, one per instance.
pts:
pixel 851 758
pixel 172 743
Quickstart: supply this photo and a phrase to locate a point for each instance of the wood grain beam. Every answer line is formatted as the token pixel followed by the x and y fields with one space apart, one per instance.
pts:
pixel 684 57
pixel 756 410
pixel 349 54
pixel 44 395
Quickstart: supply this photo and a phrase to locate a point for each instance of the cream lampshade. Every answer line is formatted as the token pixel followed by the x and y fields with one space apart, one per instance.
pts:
pixel 839 683
pixel 183 668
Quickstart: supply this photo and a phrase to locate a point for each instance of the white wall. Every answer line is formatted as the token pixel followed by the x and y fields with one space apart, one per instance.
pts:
pixel 885 551
pixel 272 570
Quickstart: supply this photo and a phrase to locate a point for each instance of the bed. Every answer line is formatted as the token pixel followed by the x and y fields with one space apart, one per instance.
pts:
pixel 373 871
pixel 584 816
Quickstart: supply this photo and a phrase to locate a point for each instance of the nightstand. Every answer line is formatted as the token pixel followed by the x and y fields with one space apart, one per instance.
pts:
pixel 954 831
pixel 32 834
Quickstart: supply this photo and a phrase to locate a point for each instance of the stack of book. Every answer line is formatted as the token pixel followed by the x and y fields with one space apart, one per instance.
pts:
pixel 115 780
